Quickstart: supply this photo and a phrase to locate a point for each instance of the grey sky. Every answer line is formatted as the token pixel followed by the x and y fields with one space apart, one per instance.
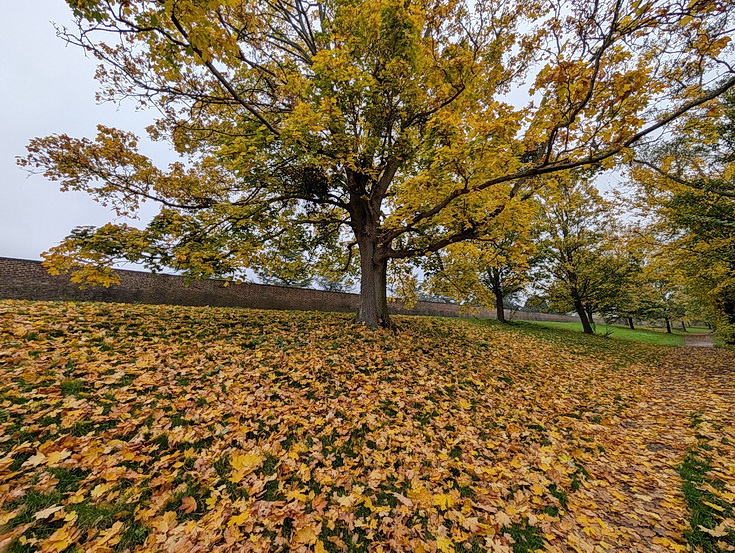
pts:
pixel 47 87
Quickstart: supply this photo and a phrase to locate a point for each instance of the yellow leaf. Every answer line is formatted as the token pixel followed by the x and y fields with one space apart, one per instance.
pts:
pixel 245 463
pixel 307 534
pixel 56 456
pixel 714 506
pixel 237 520
pixel 110 536
pixel 100 489
pixel 444 544
pixel 7 517
pixel 444 501
pixel 419 494
pixel 165 523
pixel 298 495
pixel 45 513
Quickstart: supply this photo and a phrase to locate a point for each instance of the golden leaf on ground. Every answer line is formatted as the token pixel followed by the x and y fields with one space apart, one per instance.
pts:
pixel 45 513
pixel 445 545
pixel 324 443
pixel 306 535
pixel 188 504
pixel 443 500
pixel 403 499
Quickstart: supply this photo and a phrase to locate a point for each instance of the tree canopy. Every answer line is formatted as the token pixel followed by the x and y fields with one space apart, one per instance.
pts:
pixel 687 184
pixel 393 128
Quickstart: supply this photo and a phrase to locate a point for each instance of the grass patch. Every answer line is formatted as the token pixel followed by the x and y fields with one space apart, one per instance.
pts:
pixel 622 333
pixel 701 488
pixel 71 387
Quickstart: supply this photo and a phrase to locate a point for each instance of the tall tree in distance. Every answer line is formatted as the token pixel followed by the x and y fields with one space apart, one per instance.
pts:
pixel 490 271
pixel 366 132
pixel 580 266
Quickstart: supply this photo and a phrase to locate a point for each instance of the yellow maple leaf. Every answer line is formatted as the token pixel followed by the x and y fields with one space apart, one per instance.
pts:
pixel 444 544
pixel 59 540
pixel 443 500
pixel 298 495
pixel 245 463
pixel 307 534
pixel 100 489
pixel 419 494
pixel 237 520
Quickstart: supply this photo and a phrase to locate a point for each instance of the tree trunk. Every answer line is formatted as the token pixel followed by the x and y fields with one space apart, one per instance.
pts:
pixel 668 325
pixel 630 323
pixel 683 326
pixel 729 309
pixel 499 309
pixel 373 307
pixel 589 314
pixel 496 286
pixel 582 312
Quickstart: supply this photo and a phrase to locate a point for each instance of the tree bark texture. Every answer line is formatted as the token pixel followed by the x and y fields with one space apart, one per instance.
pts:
pixel 373 307
pixel 582 312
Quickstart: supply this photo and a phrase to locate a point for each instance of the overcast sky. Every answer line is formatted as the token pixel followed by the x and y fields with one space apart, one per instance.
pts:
pixel 47 87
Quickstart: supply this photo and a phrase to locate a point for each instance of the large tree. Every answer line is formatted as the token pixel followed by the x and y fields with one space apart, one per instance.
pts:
pixel 397 128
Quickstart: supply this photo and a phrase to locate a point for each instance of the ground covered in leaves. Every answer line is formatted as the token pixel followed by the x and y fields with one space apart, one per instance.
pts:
pixel 158 428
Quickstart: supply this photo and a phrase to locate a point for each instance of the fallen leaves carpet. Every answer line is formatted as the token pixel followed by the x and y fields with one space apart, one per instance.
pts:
pixel 159 428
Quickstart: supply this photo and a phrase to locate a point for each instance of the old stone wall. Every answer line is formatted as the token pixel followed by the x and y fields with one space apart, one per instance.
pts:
pixel 24 279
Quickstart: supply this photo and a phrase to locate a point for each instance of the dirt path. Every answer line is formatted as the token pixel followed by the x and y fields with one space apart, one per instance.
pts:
pixel 639 506
pixel 699 340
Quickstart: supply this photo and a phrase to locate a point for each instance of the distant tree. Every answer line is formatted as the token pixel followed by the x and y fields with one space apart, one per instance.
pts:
pixel 331 285
pixel 379 126
pixel 487 272
pixel 579 267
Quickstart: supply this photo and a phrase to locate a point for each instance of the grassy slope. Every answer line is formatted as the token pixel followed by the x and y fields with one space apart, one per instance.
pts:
pixel 618 332
pixel 132 427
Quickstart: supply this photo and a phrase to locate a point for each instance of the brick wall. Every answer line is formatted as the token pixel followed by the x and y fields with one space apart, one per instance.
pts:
pixel 23 279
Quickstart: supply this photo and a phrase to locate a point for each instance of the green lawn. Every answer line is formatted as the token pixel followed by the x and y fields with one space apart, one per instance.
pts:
pixel 617 332
pixel 693 330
